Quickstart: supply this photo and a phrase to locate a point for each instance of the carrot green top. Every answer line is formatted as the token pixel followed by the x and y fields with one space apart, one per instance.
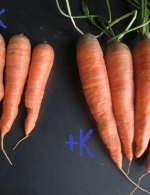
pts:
pixel 143 5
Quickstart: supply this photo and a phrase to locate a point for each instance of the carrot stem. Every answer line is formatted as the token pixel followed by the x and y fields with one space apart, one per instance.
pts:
pixel 73 22
pixel 20 141
pixel 77 17
pixel 2 148
pixel 130 30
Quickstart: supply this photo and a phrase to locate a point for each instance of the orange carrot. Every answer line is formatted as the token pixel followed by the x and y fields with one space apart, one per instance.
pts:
pixel 120 73
pixel 142 108
pixel 2 64
pixel 40 67
pixel 96 89
pixel 17 63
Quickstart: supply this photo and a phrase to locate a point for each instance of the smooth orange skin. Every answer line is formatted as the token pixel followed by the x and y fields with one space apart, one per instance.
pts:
pixel 120 73
pixel 141 59
pixel 95 84
pixel 41 63
pixel 17 64
pixel 2 65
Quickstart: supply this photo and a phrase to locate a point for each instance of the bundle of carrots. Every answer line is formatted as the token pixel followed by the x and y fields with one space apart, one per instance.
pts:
pixel 21 67
pixel 110 88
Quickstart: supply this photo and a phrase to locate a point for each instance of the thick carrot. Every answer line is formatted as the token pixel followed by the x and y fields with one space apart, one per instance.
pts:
pixel 96 89
pixel 120 73
pixel 141 62
pixel 41 63
pixel 17 64
pixel 2 64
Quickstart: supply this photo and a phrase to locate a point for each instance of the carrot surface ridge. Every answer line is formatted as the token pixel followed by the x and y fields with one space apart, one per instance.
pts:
pixel 96 89
pixel 120 73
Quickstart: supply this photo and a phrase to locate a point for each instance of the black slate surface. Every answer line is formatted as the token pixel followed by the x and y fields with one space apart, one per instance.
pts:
pixel 43 164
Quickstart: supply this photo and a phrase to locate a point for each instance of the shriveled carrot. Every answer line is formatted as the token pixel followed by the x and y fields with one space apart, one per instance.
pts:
pixel 141 61
pixel 120 73
pixel 17 64
pixel 2 64
pixel 96 89
pixel 41 63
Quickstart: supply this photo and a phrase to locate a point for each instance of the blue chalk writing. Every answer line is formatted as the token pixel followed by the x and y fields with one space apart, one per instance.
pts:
pixel 1 23
pixel 82 141
pixel 71 142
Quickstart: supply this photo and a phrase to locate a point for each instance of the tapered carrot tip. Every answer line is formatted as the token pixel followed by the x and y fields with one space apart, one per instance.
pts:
pixel 139 150
pixel 20 141
pixel 2 148
pixel 129 168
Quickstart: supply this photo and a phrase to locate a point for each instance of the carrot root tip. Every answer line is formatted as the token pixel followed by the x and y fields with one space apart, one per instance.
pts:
pixel 20 141
pixel 129 168
pixel 137 185
pixel 2 148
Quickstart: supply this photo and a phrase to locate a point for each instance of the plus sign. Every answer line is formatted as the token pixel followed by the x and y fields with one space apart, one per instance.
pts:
pixel 71 142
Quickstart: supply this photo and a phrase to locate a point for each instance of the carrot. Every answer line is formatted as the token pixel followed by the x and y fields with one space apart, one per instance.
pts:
pixel 17 63
pixel 2 64
pixel 95 84
pixel 40 67
pixel 141 63
pixel 147 167
pixel 120 73
pixel 142 109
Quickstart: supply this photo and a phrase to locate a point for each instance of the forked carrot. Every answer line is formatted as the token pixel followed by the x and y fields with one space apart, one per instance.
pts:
pixel 2 64
pixel 41 63
pixel 17 64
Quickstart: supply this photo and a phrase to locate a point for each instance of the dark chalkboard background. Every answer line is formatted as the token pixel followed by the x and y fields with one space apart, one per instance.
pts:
pixel 43 163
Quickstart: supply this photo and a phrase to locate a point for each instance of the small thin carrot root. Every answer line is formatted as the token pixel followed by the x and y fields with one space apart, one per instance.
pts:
pixel 139 182
pixel 129 167
pixel 2 148
pixel 137 185
pixel 20 141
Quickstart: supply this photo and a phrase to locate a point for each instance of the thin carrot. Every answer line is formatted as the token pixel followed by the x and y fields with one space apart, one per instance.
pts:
pixel 17 63
pixel 120 73
pixel 2 64
pixel 41 63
